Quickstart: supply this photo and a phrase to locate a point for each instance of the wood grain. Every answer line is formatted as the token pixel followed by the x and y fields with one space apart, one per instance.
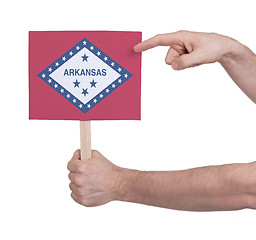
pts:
pixel 85 139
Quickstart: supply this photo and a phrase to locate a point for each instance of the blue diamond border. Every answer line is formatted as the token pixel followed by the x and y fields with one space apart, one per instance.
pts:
pixel 85 43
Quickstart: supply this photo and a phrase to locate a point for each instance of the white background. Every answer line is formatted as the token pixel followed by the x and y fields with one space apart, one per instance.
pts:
pixel 200 118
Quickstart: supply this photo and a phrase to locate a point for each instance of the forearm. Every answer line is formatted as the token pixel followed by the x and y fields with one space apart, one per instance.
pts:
pixel 227 187
pixel 240 64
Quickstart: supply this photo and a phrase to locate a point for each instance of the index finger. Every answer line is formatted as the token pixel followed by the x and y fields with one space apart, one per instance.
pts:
pixel 74 165
pixel 76 155
pixel 76 158
pixel 166 39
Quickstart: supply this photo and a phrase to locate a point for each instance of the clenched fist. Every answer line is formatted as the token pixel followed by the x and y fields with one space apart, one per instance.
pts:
pixel 93 182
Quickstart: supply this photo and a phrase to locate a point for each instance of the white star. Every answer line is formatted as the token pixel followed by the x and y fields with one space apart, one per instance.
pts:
pixel 101 95
pixel 49 69
pixel 105 58
pixel 80 105
pixel 98 53
pixel 84 42
pixel 57 64
pixel 107 90
pixel 77 47
pixel 68 95
pixel 62 90
pixel 119 69
pixel 89 105
pixel 126 75
pixel 91 47
pixel 113 85
pixel 55 85
pixel 43 75
pixel 49 81
pixel 112 64
pixel 120 80
pixel 74 100
pixel 63 58
pixel 70 53
pixel 95 100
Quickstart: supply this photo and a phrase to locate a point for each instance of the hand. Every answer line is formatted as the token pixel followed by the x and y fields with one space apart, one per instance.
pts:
pixel 93 182
pixel 189 49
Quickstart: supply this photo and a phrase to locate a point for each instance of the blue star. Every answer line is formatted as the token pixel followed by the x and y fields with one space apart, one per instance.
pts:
pixel 93 83
pixel 84 57
pixel 76 83
pixel 85 91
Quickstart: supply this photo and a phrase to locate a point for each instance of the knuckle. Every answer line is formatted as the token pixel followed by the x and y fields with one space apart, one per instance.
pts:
pixel 80 167
pixel 78 180
pixel 158 38
pixel 79 192
pixel 68 166
pixel 73 196
pixel 95 152
pixel 76 198
pixel 183 34
pixel 86 202
pixel 69 176
pixel 182 63
pixel 182 31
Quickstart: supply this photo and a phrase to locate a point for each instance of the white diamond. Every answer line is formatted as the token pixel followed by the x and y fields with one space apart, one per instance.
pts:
pixel 75 62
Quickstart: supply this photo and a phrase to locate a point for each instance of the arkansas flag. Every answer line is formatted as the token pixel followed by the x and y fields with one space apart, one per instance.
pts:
pixel 78 75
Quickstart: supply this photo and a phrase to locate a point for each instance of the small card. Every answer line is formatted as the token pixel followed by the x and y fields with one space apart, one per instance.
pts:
pixel 84 75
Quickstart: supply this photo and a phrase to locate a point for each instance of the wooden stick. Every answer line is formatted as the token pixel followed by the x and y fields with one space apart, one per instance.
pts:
pixel 85 139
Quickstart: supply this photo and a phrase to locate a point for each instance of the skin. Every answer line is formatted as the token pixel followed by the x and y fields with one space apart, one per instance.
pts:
pixel 190 49
pixel 212 188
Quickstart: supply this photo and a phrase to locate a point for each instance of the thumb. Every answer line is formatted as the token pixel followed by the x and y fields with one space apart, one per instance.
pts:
pixel 187 60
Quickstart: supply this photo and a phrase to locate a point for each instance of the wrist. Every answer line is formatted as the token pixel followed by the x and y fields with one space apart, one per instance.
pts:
pixel 125 182
pixel 233 51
